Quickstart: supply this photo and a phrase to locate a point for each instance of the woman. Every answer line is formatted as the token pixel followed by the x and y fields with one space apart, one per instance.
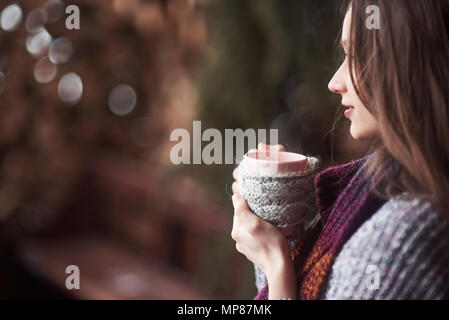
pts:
pixel 384 232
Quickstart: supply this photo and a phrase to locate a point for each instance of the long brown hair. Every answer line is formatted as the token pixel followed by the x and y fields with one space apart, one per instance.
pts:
pixel 402 72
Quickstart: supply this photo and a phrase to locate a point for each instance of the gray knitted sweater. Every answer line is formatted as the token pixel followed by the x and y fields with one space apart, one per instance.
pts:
pixel 401 252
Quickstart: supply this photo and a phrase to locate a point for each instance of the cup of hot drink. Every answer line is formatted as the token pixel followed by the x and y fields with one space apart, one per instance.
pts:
pixel 278 187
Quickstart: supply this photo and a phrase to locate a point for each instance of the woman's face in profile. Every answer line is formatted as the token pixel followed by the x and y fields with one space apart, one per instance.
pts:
pixel 363 124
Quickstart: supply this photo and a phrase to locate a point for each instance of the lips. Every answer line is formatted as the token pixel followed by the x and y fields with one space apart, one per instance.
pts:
pixel 348 110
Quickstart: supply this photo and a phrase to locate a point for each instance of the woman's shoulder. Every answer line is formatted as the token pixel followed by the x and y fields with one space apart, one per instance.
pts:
pixel 401 252
pixel 412 210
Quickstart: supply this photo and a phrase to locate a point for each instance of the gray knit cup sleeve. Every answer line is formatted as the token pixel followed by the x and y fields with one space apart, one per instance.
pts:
pixel 285 200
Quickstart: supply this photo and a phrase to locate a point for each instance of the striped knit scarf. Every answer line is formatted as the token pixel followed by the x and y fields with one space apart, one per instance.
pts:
pixel 345 200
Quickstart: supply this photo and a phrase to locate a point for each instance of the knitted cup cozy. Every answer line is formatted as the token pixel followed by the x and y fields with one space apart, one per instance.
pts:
pixel 285 200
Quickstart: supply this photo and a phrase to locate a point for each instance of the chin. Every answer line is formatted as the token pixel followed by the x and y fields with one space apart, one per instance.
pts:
pixel 356 137
pixel 361 134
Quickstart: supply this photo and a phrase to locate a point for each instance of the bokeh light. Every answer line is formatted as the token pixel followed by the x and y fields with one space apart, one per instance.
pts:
pixel 122 99
pixel 70 88
pixel 35 20
pixel 44 70
pixel 39 42
pixel 60 50
pixel 11 17
pixel 54 10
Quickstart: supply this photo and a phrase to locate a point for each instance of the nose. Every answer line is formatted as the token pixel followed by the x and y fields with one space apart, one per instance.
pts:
pixel 337 83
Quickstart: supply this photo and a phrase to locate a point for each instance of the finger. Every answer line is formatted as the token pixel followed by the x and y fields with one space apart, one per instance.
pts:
pixel 278 147
pixel 237 247
pixel 266 147
pixel 242 211
pixel 235 173
pixel 235 228
pixel 239 202
pixel 234 232
pixel 235 187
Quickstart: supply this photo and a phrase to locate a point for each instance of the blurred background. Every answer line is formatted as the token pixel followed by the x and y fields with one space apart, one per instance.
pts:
pixel 85 120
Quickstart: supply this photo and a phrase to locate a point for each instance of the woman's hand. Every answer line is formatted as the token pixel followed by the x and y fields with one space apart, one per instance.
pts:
pixel 263 244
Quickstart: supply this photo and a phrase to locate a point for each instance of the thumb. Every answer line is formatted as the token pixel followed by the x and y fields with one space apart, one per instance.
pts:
pixel 266 147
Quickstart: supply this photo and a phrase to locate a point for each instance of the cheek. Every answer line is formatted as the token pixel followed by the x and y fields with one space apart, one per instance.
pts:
pixel 363 125
pixel 353 95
